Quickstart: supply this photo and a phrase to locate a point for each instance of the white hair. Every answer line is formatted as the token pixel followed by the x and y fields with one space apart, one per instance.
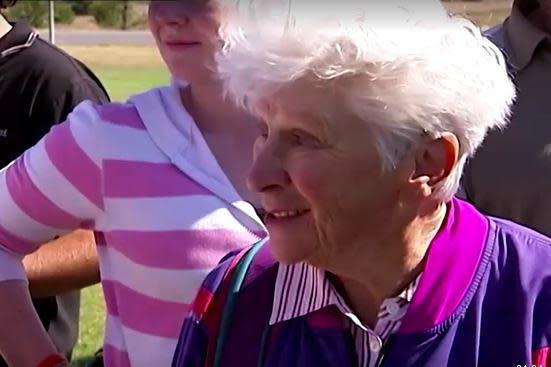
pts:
pixel 405 67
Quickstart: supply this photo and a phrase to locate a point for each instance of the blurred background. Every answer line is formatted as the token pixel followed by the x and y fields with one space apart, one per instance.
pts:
pixel 111 37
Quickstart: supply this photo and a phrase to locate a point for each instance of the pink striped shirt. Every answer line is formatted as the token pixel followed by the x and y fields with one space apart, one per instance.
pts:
pixel 142 177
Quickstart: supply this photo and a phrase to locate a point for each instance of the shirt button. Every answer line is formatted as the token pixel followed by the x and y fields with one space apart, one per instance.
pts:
pixel 393 308
pixel 374 344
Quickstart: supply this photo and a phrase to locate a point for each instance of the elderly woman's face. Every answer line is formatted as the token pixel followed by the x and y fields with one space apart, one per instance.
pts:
pixel 321 182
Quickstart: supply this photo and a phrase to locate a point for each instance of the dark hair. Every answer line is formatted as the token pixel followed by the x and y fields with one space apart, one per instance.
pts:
pixel 7 3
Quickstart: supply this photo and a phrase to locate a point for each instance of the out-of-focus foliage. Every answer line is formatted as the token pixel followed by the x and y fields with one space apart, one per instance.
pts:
pixel 35 12
pixel 107 13
pixel 64 13
pixel 120 13
pixel 32 12
pixel 80 7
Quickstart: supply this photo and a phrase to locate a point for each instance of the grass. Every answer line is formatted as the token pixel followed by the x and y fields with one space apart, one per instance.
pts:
pixel 122 82
pixel 110 55
pixel 124 71
pixel 484 13
pixel 92 323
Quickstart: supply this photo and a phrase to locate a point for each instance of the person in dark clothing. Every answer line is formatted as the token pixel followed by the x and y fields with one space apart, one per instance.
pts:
pixel 39 86
pixel 510 176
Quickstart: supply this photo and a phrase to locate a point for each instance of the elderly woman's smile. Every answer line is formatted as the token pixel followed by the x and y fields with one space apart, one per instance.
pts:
pixel 289 214
pixel 308 168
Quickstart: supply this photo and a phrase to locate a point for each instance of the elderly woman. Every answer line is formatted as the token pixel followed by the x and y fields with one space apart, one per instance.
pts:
pixel 369 117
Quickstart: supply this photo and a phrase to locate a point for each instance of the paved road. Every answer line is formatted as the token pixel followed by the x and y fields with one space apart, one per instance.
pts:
pixel 112 37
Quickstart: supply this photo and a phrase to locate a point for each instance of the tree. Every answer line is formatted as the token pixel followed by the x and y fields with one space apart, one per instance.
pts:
pixel 80 7
pixel 35 12
pixel 125 14
pixel 112 13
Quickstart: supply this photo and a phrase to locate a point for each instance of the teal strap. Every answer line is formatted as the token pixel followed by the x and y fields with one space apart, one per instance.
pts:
pixel 265 336
pixel 236 283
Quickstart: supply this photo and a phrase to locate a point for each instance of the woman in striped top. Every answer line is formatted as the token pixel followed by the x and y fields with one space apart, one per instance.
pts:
pixel 160 180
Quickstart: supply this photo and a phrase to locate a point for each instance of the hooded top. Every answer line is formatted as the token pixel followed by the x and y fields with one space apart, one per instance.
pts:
pixel 143 178
pixel 39 86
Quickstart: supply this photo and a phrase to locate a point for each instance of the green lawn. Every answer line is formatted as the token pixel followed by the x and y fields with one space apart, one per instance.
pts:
pixel 92 321
pixel 120 82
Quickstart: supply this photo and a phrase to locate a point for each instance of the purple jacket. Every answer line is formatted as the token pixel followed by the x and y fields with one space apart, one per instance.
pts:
pixel 484 299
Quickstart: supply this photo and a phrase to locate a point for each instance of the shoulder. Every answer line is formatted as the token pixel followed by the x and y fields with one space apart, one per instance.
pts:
pixel 261 272
pixel 58 73
pixel 94 125
pixel 50 60
pixel 522 255
pixel 520 274
pixel 263 269
pixel 516 235
pixel 107 129
pixel 496 34
pixel 526 266
pixel 120 114
pixel 113 113
pixel 127 114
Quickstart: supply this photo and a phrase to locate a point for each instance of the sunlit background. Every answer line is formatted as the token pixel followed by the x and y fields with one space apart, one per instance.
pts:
pixel 112 39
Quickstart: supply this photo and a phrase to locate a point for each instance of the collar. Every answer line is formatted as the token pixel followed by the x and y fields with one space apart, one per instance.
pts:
pixel 522 39
pixel 454 264
pixel 453 267
pixel 303 289
pixel 20 37
pixel 174 132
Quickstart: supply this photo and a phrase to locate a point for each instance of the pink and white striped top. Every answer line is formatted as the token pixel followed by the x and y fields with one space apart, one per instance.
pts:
pixel 142 177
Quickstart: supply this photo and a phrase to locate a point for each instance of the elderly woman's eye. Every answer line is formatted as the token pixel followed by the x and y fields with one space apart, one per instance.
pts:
pixel 262 131
pixel 297 139
pixel 301 138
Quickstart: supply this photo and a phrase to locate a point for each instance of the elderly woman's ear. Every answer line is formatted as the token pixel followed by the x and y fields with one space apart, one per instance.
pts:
pixel 434 160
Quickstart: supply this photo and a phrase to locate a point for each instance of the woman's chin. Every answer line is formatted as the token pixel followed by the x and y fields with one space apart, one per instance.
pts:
pixel 189 71
pixel 288 250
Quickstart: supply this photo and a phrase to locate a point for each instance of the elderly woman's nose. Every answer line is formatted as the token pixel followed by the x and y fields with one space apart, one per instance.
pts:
pixel 267 172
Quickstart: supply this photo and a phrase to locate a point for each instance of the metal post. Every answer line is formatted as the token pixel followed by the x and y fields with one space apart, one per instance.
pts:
pixel 51 25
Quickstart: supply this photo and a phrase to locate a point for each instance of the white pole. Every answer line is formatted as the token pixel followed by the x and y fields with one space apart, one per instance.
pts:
pixel 51 25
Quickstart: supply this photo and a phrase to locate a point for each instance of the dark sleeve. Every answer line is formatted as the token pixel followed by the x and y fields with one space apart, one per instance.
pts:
pixel 53 106
pixel 66 101
pixel 192 347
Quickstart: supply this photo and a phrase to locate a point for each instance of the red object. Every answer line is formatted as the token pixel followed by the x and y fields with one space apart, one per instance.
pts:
pixel 53 360
pixel 542 357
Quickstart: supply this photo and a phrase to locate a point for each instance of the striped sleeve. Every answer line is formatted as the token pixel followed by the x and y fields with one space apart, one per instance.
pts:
pixel 53 188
